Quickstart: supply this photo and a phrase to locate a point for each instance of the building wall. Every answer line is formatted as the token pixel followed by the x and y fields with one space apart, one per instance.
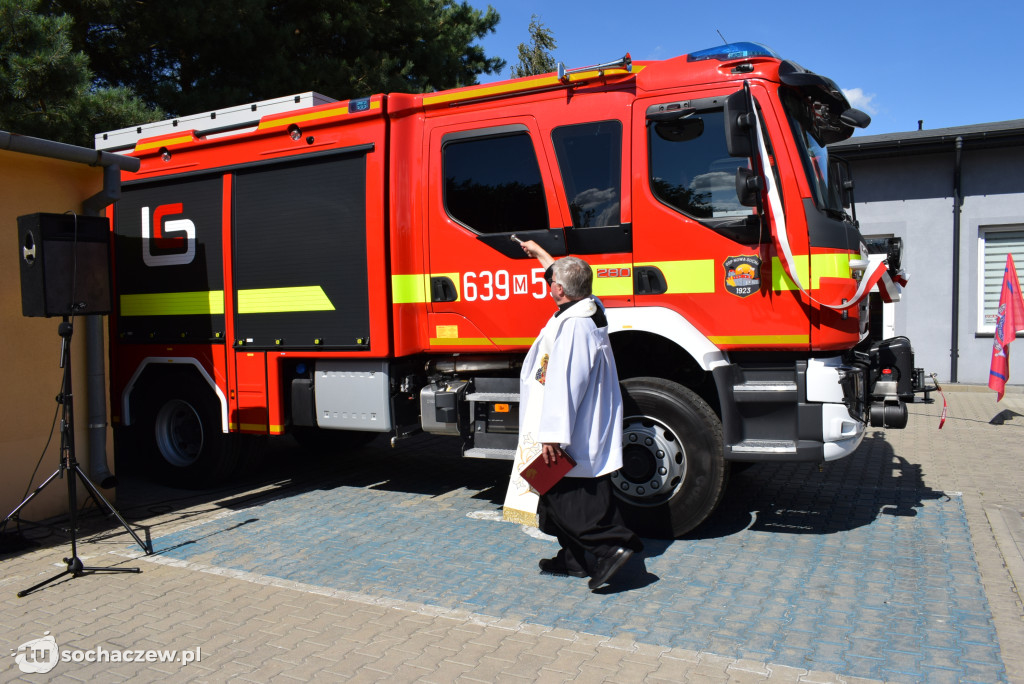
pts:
pixel 30 347
pixel 912 197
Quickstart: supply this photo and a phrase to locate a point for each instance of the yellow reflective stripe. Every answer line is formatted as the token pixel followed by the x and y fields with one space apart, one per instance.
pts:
pixel 760 339
pixel 829 266
pixel 207 303
pixel 311 116
pixel 257 427
pixel 491 91
pixel 610 287
pixel 459 341
pixel 414 288
pixel 821 265
pixel 139 147
pixel 468 341
pixel 694 276
pixel 210 302
pixel 263 125
pixel 781 281
pixel 283 300
pixel 410 289
pixel 521 86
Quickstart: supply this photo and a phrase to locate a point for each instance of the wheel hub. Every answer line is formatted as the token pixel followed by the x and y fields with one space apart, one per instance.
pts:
pixel 653 463
pixel 179 433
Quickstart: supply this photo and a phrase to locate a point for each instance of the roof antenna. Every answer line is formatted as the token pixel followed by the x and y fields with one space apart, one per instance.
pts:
pixel 724 41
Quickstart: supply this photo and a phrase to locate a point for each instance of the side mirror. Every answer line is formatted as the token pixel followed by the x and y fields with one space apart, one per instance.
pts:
pixel 855 118
pixel 748 186
pixel 839 170
pixel 848 186
pixel 739 121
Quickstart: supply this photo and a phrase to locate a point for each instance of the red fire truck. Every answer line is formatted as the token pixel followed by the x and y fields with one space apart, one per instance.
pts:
pixel 345 269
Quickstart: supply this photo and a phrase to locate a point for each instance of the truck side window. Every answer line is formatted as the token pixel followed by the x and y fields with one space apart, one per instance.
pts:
pixel 493 184
pixel 590 159
pixel 691 170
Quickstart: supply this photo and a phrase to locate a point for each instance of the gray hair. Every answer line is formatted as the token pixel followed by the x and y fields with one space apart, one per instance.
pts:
pixel 575 276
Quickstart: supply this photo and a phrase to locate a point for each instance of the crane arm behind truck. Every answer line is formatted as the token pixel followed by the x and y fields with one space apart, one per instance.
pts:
pixel 338 270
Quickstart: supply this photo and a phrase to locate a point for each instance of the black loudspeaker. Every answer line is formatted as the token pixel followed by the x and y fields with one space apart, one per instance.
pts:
pixel 65 264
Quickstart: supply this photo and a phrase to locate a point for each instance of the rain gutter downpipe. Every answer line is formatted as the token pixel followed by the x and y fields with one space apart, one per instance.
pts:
pixel 112 164
pixel 958 200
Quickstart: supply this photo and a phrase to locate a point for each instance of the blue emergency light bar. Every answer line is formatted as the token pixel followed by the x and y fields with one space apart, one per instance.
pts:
pixel 732 51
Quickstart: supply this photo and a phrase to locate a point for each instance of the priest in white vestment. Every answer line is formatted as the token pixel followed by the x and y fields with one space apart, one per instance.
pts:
pixel 570 403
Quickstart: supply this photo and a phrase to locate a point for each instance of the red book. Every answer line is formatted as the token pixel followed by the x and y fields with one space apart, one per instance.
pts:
pixel 542 476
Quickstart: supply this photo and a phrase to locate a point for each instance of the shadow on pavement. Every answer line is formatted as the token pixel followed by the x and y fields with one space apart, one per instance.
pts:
pixel 803 498
pixel 786 498
pixel 1005 415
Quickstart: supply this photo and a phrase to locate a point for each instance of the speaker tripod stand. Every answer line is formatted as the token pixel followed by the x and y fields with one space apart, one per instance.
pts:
pixel 70 469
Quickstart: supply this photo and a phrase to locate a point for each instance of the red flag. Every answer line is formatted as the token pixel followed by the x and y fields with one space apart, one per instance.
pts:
pixel 1009 320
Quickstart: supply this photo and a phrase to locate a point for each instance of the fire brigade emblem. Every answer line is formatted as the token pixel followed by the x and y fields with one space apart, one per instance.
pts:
pixel 743 275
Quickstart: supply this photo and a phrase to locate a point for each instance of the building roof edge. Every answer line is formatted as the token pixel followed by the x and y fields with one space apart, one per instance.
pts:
pixel 925 141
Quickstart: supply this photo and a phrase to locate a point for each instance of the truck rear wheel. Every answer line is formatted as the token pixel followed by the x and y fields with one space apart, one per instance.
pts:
pixel 181 436
pixel 674 471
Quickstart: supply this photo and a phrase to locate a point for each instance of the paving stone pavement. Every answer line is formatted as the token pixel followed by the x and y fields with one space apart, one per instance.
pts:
pixel 900 563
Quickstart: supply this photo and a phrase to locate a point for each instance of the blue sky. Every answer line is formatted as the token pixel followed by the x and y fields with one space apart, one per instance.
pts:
pixel 947 63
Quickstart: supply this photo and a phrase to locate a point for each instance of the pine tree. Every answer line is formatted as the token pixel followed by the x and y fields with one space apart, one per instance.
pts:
pixel 190 56
pixel 46 86
pixel 536 57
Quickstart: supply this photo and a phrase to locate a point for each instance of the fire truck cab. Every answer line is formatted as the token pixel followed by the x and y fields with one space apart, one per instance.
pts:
pixel 337 270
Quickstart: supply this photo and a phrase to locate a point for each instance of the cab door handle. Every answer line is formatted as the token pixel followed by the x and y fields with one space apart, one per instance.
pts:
pixel 649 280
pixel 442 289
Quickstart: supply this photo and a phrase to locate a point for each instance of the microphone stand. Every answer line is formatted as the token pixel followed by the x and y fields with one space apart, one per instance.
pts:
pixel 69 466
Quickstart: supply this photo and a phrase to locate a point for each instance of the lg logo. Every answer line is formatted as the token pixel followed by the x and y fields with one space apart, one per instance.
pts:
pixel 163 248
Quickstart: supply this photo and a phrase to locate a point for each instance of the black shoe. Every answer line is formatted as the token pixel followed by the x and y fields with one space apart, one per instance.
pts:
pixel 556 566
pixel 608 566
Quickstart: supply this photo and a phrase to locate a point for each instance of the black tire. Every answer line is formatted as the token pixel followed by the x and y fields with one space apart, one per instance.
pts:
pixel 318 442
pixel 674 471
pixel 181 438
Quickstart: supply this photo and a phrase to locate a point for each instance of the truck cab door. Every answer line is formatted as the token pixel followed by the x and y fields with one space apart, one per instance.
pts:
pixel 487 182
pixel 701 247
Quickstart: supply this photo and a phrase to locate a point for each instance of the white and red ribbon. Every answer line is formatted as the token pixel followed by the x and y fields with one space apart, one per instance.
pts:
pixel 876 274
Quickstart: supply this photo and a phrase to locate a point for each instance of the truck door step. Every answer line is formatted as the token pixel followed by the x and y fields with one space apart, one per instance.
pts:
pixel 760 450
pixel 507 397
pixel 477 452
pixel 771 446
pixel 763 391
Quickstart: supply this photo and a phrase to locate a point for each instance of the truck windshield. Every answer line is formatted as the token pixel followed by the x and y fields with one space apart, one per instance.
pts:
pixel 811 124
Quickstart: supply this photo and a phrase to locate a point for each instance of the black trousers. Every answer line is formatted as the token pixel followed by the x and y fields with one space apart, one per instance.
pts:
pixel 583 514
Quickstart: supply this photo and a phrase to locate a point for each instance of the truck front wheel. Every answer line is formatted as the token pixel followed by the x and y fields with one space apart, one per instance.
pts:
pixel 674 472
pixel 181 436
